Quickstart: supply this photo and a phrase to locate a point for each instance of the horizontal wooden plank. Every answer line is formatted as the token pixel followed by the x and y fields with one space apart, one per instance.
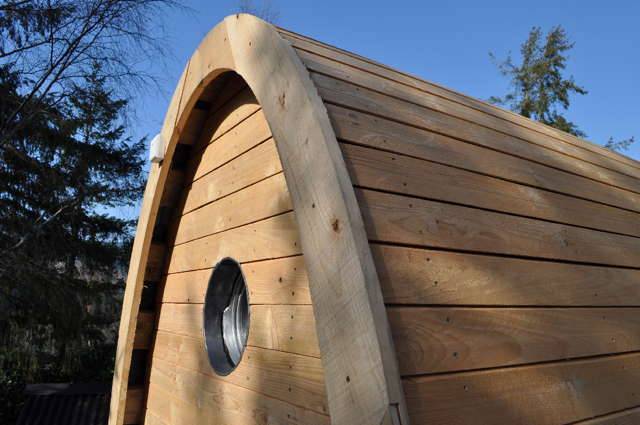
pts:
pixel 376 132
pixel 296 379
pixel 419 276
pixel 290 328
pixel 182 319
pixel 304 43
pixel 271 238
pixel 144 330
pixel 257 164
pixel 228 116
pixel 221 93
pixel 277 327
pixel 554 393
pixel 245 135
pixel 134 406
pixel 594 162
pixel 279 281
pixel 626 417
pixel 348 95
pixel 435 340
pixel 371 168
pixel 186 397
pixel 411 221
pixel 264 199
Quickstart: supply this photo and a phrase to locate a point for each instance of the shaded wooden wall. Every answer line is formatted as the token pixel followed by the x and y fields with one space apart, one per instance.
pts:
pixel 234 202
pixel 508 252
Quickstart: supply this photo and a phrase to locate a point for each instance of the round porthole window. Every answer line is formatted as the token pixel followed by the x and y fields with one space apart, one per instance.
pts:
pixel 226 317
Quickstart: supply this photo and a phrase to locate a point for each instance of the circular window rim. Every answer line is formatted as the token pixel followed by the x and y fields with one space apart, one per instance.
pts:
pixel 230 366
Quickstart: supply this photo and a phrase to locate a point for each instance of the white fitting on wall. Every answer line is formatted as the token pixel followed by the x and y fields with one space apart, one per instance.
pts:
pixel 156 149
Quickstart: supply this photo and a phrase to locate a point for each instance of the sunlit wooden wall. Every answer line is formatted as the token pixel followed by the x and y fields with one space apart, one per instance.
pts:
pixel 508 252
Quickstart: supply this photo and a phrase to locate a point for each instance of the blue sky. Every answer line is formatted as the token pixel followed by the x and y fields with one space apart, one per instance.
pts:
pixel 448 43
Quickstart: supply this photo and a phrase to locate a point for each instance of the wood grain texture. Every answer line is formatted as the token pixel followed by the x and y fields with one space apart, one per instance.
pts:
pixel 228 116
pixel 283 328
pixel 348 95
pixel 421 276
pixel 412 221
pixel 198 400
pixel 359 359
pixel 626 417
pixel 267 239
pixel 267 198
pixel 234 208
pixel 284 376
pixel 374 169
pixel 564 154
pixel 552 393
pixel 257 164
pixel 230 86
pixel 380 133
pixel 359 62
pixel 279 281
pixel 435 340
pixel 246 134
pixel 139 257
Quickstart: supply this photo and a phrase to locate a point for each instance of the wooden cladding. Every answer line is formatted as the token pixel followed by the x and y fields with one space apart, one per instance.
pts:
pixel 552 393
pixel 429 277
pixel 279 281
pixel 427 91
pixel 288 328
pixel 444 339
pixel 410 221
pixel 508 252
pixel 411 255
pixel 194 399
pixel 235 203
pixel 372 168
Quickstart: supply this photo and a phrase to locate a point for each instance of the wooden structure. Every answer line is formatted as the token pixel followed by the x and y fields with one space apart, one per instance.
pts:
pixel 412 255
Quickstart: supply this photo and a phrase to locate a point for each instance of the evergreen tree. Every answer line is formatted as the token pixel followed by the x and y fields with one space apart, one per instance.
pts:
pixel 62 257
pixel 619 145
pixel 539 89
pixel 67 68
pixel 62 254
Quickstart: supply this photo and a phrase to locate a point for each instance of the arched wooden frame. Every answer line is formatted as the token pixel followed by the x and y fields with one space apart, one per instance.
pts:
pixel 361 373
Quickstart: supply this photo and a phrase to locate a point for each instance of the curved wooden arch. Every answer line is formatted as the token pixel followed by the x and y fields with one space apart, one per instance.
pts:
pixel 361 373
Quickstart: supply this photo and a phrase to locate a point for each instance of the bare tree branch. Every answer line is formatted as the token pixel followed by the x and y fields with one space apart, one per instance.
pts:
pixel 76 34
pixel 267 12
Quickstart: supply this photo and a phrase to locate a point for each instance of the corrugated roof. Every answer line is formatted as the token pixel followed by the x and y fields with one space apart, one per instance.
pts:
pixel 66 404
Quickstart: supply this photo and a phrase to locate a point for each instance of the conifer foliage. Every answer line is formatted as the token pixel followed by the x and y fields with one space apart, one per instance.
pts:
pixel 539 90
pixel 67 166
